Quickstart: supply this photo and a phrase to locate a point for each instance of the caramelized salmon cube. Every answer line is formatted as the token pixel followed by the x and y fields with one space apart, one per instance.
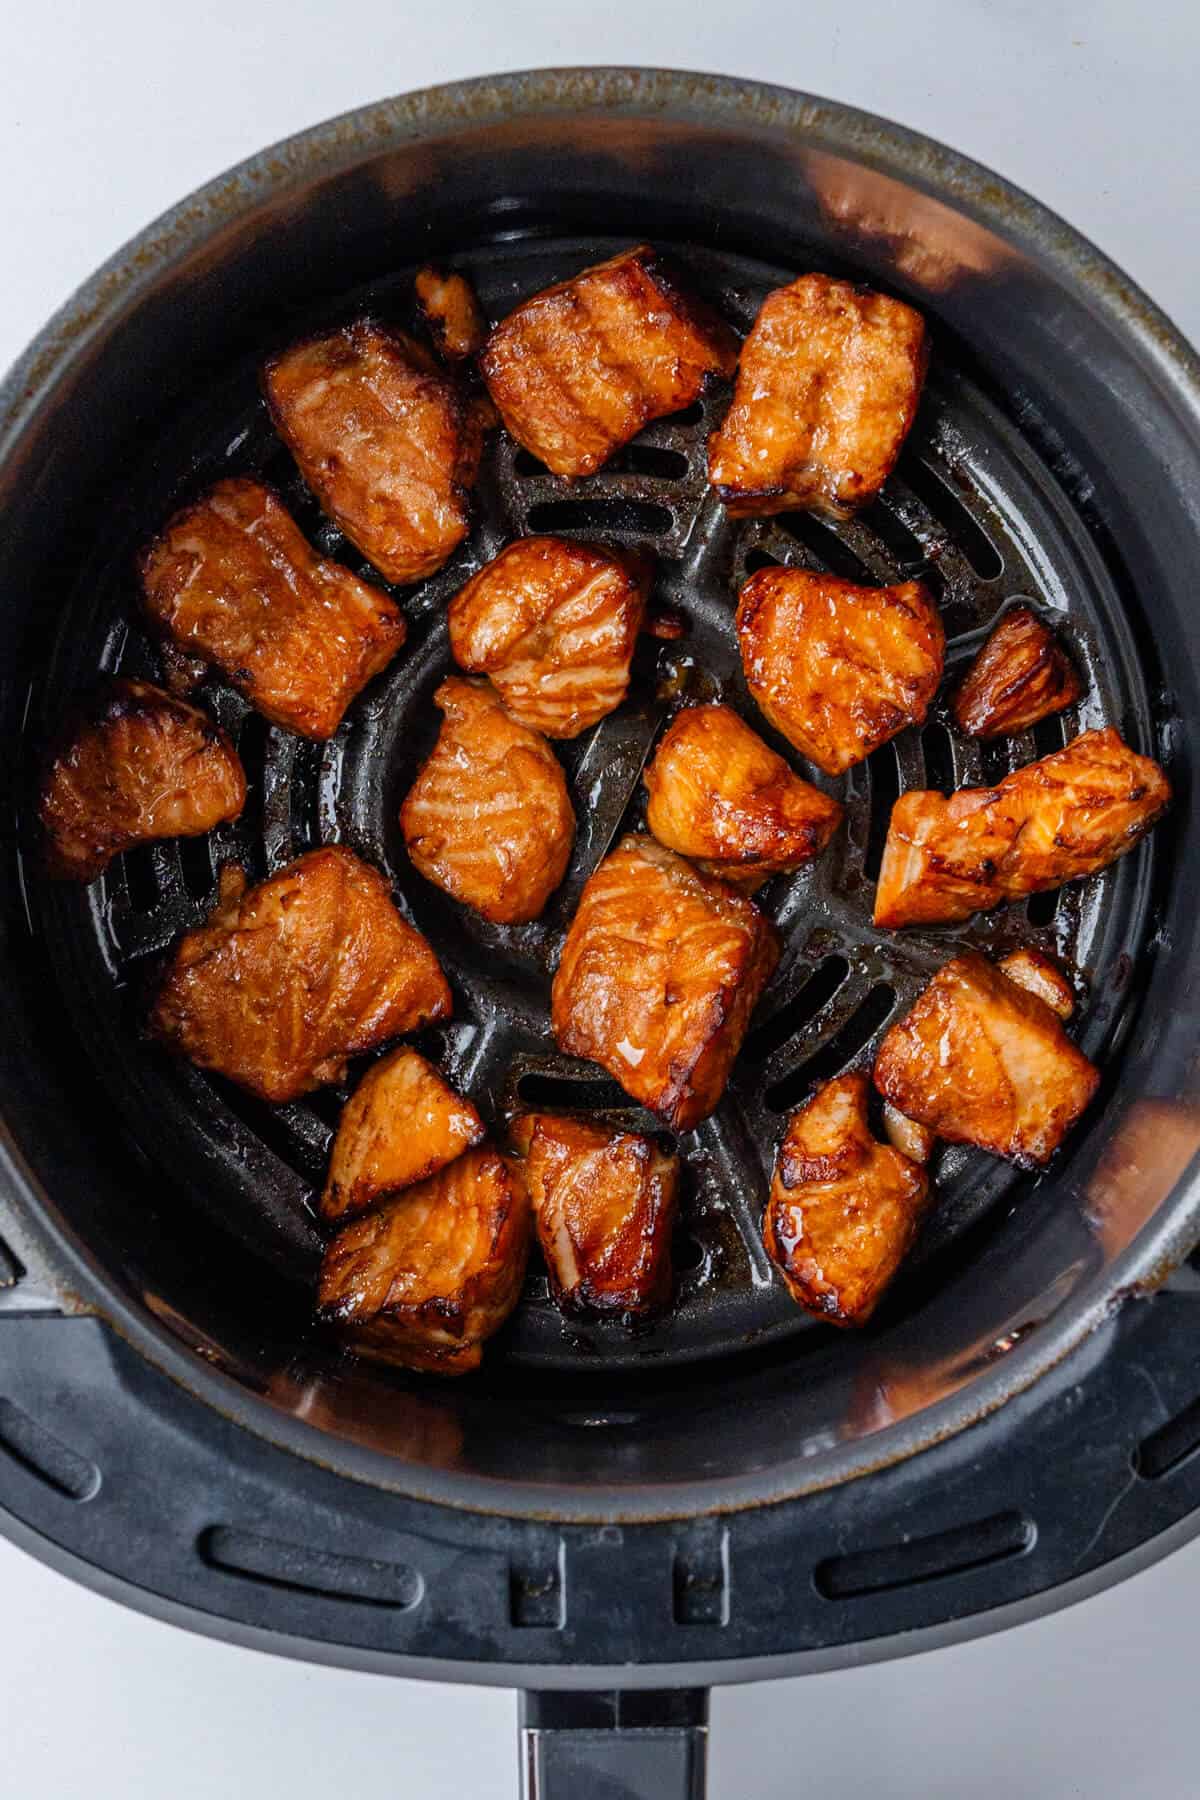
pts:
pixel 286 981
pixel 844 1209
pixel 981 1060
pixel 827 389
pixel 577 370
pixel 915 1141
pixel 234 581
pixel 941 854
pixel 402 1124
pixel 660 972
pixel 388 442
pixel 450 309
pixel 727 801
pixel 489 818
pixel 838 669
pixel 1059 819
pixel 1042 975
pixel 426 1279
pixel 553 623
pixel 604 1202
pixel 1021 675
pixel 136 765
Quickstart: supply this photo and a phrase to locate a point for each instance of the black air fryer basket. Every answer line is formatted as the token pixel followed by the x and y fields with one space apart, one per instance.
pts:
pixel 736 1491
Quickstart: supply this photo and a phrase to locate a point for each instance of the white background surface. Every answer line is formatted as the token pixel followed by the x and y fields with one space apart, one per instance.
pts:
pixel 108 114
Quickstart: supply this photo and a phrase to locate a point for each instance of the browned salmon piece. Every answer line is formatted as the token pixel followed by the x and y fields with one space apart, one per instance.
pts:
pixel 604 1202
pixel 660 972
pixel 451 311
pixel 1056 820
pixel 1021 675
pixel 904 1134
pixel 1042 975
pixel 402 1124
pixel 980 1060
pixel 941 854
pixel 288 980
pixel 827 388
pixel 844 1209
pixel 553 623
pixel 724 799
pixel 435 1271
pixel 234 581
pixel 838 669
pixel 135 765
pixel 388 442
pixel 577 370
pixel 489 817
pixel 1038 974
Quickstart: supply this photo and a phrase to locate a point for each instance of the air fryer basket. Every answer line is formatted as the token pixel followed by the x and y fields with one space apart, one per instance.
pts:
pixel 1056 457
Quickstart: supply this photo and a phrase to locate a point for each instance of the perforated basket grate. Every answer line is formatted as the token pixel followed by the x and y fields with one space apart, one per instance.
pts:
pixel 972 510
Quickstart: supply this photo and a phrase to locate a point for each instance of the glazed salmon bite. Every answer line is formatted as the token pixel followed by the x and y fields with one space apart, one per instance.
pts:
pixel 721 796
pixel 286 980
pixel 137 765
pixel 844 1209
pixel 577 370
pixel 388 442
pixel 233 580
pixel 982 1059
pixel 838 668
pixel 605 1204
pixel 402 1124
pixel 429 1276
pixel 659 975
pixel 827 389
pixel 553 623
pixel 1021 675
pixel 489 818
pixel 451 313
pixel 1059 819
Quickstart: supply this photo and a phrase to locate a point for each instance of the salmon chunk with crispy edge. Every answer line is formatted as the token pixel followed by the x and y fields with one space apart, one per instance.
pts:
pixel 827 389
pixel 134 766
pixel 1059 819
pixel 1021 675
pixel 402 1123
pixel 604 1202
pixel 435 1271
pixel 660 972
pixel 388 442
pixel 981 1060
pixel 233 581
pixel 844 1209
pixel 451 312
pixel 836 668
pixel 289 979
pixel 489 818
pixel 577 370
pixel 728 802
pixel 553 623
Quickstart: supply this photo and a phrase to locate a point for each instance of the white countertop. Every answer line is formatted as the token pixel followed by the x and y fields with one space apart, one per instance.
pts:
pixel 108 115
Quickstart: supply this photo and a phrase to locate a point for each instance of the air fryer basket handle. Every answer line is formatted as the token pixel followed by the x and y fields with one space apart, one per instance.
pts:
pixel 615 1745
